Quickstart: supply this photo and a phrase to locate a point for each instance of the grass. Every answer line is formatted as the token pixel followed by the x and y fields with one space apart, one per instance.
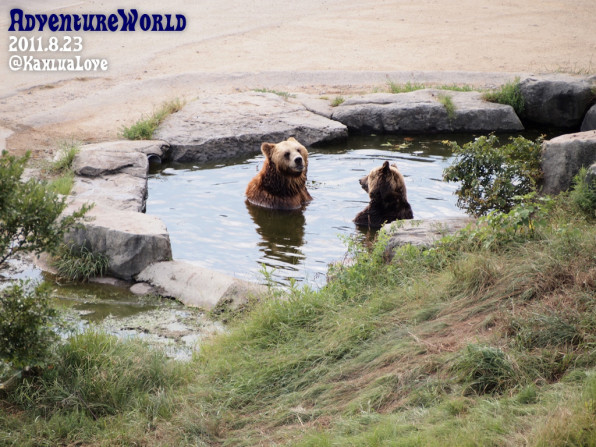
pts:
pixel 477 341
pixel 145 127
pixel 283 94
pixel 394 87
pixel 447 102
pixel 338 100
pixel 79 263
pixel 60 170
pixel 510 94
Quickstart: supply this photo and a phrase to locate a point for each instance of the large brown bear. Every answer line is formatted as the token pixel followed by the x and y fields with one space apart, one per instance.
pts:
pixel 281 183
pixel 388 198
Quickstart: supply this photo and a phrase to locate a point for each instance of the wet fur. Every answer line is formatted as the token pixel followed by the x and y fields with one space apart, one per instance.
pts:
pixel 388 198
pixel 276 185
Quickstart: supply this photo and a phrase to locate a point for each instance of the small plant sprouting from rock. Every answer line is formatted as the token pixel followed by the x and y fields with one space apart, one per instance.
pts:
pixel 509 94
pixel 447 102
pixel 79 263
pixel 284 95
pixel 338 100
pixel 404 88
pixel 144 128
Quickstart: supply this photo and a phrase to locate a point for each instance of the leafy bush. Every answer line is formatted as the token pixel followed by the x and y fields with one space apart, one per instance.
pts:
pixel 29 212
pixel 494 177
pixel 80 263
pixel 583 194
pixel 27 326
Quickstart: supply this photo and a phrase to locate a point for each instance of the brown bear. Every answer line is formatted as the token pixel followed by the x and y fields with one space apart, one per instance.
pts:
pixel 388 198
pixel 281 183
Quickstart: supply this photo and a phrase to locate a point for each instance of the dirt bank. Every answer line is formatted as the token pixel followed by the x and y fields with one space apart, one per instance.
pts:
pixel 323 47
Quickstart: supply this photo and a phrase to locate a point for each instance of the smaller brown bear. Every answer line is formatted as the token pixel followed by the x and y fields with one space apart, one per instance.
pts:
pixel 281 182
pixel 388 198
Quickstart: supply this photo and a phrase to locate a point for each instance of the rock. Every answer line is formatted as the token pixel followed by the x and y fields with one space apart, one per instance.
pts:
pixel 556 100
pixel 129 239
pixel 589 122
pixel 96 163
pixel 115 173
pixel 109 281
pixel 563 157
pixel 591 174
pixel 143 288
pixel 421 111
pixel 421 233
pixel 226 126
pixel 121 191
pixel 314 104
pixel 198 287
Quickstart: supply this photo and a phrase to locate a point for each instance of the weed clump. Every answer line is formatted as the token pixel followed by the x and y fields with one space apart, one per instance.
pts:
pixel 509 94
pixel 79 263
pixel 144 128
pixel 485 370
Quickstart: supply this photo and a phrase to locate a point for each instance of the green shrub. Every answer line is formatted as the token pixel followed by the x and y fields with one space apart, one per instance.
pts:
pixel 80 263
pixel 509 94
pixel 494 177
pixel 29 212
pixel 27 326
pixel 583 194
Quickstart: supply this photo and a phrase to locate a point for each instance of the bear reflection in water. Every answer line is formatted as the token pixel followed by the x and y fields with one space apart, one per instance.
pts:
pixel 281 232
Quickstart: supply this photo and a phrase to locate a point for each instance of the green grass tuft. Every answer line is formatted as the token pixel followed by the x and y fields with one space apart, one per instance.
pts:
pixel 283 94
pixel 144 128
pixel 338 100
pixel 509 94
pixel 79 263
pixel 447 102
pixel 404 88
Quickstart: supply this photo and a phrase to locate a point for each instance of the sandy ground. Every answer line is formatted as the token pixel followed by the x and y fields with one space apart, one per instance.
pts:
pixel 323 47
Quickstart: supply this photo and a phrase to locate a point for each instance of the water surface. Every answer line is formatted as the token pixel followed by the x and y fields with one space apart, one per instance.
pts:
pixel 211 224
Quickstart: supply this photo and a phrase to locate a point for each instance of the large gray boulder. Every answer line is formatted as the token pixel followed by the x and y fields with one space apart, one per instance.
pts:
pixel 421 111
pixel 115 173
pixel 556 100
pixel 198 287
pixel 563 157
pixel 421 233
pixel 589 122
pixel 130 240
pixel 226 126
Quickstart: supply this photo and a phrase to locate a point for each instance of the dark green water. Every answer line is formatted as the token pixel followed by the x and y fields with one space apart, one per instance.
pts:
pixel 211 225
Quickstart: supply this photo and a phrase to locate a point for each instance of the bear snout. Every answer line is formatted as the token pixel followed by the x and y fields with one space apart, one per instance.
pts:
pixel 298 163
pixel 364 183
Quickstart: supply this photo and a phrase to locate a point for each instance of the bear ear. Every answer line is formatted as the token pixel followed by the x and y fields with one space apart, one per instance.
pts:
pixel 386 168
pixel 292 139
pixel 267 149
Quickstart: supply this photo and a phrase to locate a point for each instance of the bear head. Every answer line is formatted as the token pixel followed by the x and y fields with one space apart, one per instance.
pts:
pixel 385 181
pixel 289 157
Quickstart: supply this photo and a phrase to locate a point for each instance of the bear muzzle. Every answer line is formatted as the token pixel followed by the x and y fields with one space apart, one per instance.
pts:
pixel 298 164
